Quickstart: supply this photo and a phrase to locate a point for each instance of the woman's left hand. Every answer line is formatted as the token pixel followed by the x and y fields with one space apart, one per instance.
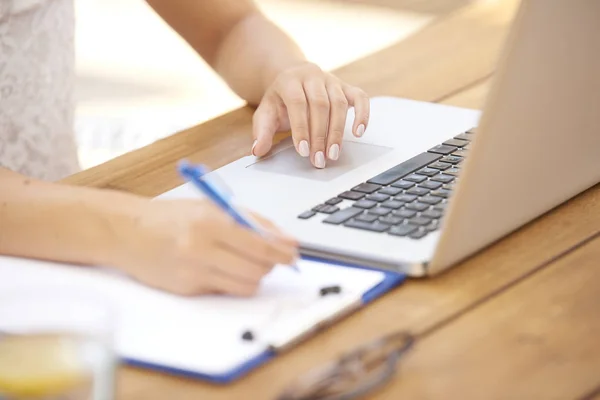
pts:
pixel 314 105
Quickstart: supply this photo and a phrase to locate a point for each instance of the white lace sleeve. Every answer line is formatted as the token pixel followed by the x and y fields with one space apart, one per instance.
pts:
pixel 36 87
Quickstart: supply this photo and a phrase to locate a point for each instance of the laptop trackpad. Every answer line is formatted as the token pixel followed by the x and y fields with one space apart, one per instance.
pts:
pixel 288 161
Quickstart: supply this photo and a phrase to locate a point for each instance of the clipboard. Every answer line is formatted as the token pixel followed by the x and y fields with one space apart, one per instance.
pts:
pixel 201 338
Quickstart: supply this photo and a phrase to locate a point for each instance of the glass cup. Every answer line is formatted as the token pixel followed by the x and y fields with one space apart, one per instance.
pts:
pixel 56 344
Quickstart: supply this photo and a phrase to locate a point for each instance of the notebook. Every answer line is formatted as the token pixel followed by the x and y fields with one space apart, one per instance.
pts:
pixel 201 337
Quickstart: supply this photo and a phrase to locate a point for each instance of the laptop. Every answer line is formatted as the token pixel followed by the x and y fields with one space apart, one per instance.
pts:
pixel 429 185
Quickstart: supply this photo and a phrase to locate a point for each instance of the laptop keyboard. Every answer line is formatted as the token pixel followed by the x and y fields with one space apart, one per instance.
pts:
pixel 407 200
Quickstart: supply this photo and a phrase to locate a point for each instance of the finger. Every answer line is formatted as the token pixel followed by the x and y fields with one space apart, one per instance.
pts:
pixel 264 125
pixel 222 282
pixel 337 120
pixel 362 108
pixel 318 106
pixel 251 245
pixel 238 267
pixel 294 99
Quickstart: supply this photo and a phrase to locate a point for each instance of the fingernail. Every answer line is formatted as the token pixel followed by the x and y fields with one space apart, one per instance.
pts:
pixel 360 130
pixel 253 146
pixel 334 152
pixel 304 149
pixel 320 160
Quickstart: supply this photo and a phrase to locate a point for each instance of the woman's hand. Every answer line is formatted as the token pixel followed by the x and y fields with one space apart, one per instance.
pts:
pixel 314 105
pixel 192 248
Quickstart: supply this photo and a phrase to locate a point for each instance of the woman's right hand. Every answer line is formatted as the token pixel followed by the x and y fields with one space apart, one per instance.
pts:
pixel 190 247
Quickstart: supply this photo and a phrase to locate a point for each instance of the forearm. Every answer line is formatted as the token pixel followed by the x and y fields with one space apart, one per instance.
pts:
pixel 253 54
pixel 63 223
pixel 235 39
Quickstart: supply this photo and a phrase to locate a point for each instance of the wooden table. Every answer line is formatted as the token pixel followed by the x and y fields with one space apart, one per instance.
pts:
pixel 519 320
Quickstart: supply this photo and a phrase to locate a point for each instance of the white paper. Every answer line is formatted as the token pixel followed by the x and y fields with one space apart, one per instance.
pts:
pixel 202 334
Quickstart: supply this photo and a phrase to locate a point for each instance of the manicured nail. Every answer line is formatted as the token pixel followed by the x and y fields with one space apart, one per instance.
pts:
pixel 304 149
pixel 360 130
pixel 253 146
pixel 334 152
pixel 320 160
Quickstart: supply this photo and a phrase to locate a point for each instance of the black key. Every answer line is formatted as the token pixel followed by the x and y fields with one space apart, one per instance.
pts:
pixel 441 193
pixel 456 142
pixel 319 207
pixel 415 178
pixel 392 204
pixel 378 196
pixel 380 211
pixel 434 225
pixel 392 191
pixel 367 217
pixel 363 203
pixel 334 201
pixel 404 213
pixel 329 209
pixel 419 191
pixel 465 136
pixel 419 221
pixel 325 208
pixel 418 234
pixel 402 230
pixel 307 214
pixel 400 170
pixel 343 215
pixel 452 159
pixel 433 214
pixel 431 185
pixel 366 188
pixel 407 198
pixel 452 171
pixel 443 149
pixel 428 171
pixel 473 130
pixel 461 153
pixel 443 178
pixel 374 226
pixel 448 186
pixel 350 195
pixel 440 207
pixel 417 206
pixel 403 184
pixel 390 220
pixel 440 165
pixel 433 200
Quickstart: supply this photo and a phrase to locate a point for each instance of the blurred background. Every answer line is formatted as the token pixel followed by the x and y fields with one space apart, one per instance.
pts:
pixel 137 81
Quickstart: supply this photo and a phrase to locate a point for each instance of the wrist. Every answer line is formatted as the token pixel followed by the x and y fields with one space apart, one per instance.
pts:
pixel 123 242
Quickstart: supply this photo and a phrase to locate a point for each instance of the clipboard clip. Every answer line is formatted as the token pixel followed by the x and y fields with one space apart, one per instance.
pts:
pixel 284 333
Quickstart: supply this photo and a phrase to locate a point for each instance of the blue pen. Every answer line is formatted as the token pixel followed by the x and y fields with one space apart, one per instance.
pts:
pixel 195 174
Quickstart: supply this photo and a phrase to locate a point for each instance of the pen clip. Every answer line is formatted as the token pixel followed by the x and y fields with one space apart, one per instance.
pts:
pixel 199 175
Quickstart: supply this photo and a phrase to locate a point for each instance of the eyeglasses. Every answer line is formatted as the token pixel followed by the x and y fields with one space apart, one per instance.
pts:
pixel 354 374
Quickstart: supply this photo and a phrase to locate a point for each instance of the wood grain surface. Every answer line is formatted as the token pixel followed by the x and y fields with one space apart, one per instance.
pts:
pixel 536 340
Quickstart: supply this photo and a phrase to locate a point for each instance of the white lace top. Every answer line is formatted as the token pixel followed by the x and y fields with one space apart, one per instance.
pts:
pixel 36 88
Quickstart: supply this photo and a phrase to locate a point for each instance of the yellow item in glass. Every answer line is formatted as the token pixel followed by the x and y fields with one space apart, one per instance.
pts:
pixel 33 366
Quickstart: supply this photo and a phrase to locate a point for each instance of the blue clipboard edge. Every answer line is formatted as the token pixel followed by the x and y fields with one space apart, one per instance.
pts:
pixel 391 280
pixel 228 377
